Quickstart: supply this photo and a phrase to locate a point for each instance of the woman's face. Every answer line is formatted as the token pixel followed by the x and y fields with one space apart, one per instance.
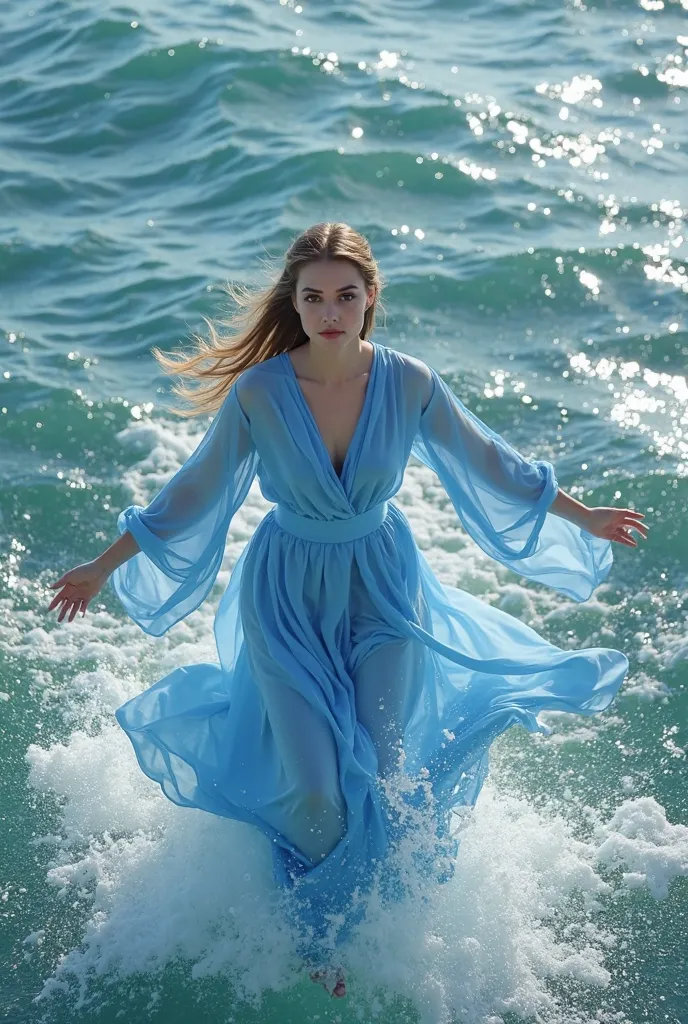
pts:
pixel 331 295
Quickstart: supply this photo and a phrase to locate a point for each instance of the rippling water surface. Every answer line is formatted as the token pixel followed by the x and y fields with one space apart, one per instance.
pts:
pixel 520 170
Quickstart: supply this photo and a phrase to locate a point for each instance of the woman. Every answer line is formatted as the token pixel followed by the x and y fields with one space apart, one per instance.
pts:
pixel 342 657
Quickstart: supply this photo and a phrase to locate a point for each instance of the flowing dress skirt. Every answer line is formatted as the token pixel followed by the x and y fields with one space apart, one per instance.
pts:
pixel 342 661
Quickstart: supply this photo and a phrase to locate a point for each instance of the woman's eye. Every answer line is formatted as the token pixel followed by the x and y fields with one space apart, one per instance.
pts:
pixel 346 295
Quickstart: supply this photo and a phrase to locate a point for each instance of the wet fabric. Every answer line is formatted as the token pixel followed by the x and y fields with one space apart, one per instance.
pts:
pixel 339 650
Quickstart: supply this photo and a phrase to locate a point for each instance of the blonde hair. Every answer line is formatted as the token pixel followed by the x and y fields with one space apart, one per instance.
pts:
pixel 267 322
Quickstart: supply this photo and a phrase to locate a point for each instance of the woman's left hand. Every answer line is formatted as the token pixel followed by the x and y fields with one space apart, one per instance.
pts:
pixel 616 524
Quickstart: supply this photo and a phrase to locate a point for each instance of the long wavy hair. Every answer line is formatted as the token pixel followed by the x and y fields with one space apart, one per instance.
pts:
pixel 266 322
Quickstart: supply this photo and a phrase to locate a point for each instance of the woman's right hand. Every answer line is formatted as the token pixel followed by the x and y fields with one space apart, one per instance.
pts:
pixel 79 586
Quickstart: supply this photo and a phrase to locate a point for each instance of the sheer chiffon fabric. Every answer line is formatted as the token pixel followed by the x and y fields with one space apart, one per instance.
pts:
pixel 339 650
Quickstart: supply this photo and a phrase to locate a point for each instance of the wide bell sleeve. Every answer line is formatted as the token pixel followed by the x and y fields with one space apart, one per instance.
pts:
pixel 182 532
pixel 503 499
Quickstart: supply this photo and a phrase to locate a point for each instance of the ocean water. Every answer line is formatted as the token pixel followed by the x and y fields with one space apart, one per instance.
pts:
pixel 520 170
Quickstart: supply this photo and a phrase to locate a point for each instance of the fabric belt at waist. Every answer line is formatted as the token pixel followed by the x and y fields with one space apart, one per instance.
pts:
pixel 335 530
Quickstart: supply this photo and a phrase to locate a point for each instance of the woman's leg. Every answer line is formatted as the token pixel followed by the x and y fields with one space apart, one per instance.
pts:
pixel 307 806
pixel 311 812
pixel 386 684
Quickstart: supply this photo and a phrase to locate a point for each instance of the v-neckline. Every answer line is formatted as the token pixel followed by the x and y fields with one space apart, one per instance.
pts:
pixel 339 477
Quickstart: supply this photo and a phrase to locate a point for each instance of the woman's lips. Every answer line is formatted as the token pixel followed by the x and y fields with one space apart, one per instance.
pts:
pixel 328 334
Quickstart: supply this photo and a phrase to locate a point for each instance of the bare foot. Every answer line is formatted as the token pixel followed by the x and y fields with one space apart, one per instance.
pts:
pixel 332 980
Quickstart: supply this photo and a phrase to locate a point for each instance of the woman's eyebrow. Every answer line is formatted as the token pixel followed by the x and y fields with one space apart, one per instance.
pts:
pixel 319 290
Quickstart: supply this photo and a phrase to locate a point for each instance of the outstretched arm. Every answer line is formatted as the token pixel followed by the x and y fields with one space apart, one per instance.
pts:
pixel 81 584
pixel 169 553
pixel 504 500
pixel 614 524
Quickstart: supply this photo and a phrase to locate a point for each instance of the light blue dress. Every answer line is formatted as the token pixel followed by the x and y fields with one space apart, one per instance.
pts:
pixel 336 641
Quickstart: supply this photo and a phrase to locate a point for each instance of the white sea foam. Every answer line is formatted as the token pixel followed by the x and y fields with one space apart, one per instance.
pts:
pixel 169 882
pixel 646 688
pixel 639 838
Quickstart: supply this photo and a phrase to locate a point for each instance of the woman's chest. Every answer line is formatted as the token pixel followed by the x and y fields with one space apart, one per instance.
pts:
pixel 336 413
pixel 297 429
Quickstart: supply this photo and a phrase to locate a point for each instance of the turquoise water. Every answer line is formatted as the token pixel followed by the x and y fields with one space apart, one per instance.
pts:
pixel 520 171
